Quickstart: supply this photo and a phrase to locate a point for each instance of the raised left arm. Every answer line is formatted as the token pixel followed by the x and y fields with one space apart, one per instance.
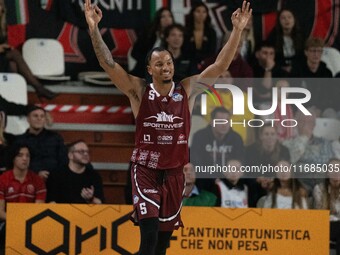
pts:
pixel 239 20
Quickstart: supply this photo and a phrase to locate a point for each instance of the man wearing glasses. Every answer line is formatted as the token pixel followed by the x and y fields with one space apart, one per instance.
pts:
pixel 77 183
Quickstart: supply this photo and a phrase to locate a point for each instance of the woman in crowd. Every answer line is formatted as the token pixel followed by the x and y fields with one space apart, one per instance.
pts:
pixel 201 42
pixel 151 37
pixel 287 39
pixel 287 192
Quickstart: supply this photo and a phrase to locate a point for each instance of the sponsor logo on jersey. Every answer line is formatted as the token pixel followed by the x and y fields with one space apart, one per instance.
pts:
pixel 182 139
pixel 161 118
pixel 177 97
pixel 164 139
pixel 164 117
pixel 164 99
pixel 150 191
pixel 147 139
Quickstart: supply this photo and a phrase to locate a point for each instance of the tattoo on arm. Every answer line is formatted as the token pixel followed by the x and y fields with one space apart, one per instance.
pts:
pixel 102 52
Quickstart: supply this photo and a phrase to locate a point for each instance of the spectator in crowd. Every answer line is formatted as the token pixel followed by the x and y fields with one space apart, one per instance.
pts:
pixel 215 145
pixel 287 39
pixel 12 61
pixel 265 67
pixel 231 191
pixel 306 149
pixel 326 196
pixel 173 41
pixel 48 150
pixel 151 37
pixel 267 150
pixel 313 67
pixel 19 185
pixel 194 196
pixel 201 41
pixel 76 183
pixel 287 191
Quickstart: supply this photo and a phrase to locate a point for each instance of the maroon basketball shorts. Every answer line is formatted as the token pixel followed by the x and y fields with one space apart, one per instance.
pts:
pixel 158 193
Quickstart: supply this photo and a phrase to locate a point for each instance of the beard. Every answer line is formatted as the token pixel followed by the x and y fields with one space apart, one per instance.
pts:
pixel 167 81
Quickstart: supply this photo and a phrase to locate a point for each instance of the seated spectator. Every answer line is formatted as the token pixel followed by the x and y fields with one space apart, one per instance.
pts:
pixel 12 61
pixel 19 185
pixel 231 191
pixel 194 196
pixel 287 192
pixel 267 150
pixel 306 149
pixel 326 196
pixel 201 41
pixel 312 66
pixel 266 68
pixel 173 41
pixel 76 183
pixel 151 37
pixel 213 146
pixel 49 153
pixel 287 39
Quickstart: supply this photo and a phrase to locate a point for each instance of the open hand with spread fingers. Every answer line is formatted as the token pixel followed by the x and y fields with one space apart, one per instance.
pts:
pixel 93 14
pixel 241 16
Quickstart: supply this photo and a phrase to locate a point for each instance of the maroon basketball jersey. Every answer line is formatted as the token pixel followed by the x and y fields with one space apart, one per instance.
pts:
pixel 162 129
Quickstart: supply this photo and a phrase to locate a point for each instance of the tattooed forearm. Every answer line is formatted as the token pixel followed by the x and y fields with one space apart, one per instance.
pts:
pixel 102 52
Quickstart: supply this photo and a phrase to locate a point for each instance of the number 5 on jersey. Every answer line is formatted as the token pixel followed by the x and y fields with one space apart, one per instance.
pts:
pixel 151 95
pixel 142 207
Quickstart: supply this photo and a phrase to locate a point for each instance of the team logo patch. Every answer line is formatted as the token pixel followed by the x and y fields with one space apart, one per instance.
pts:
pixel 10 190
pixel 177 97
pixel 135 199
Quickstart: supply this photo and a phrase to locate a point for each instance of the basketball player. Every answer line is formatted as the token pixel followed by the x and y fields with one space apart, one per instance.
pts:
pixel 162 112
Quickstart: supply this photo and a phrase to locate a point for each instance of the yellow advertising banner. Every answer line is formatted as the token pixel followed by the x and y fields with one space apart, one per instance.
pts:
pixel 106 229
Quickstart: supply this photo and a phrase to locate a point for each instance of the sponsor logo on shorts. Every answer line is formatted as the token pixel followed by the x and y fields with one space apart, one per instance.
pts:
pixel 151 191
pixel 135 199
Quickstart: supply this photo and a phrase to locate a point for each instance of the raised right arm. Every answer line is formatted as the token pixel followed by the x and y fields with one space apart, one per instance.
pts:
pixel 130 85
